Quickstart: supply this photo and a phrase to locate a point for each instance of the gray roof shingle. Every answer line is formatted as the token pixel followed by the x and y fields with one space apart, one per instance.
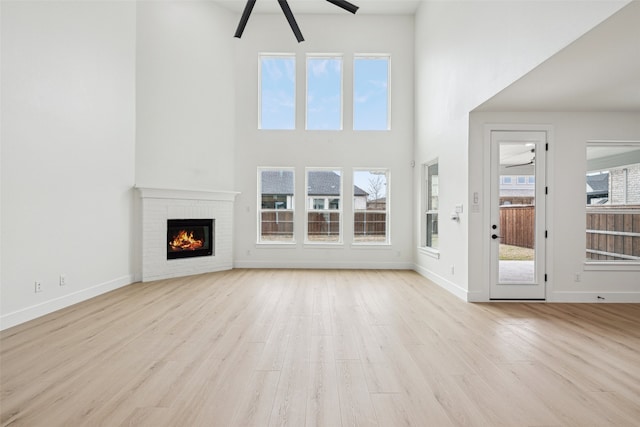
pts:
pixel 321 183
pixel 598 184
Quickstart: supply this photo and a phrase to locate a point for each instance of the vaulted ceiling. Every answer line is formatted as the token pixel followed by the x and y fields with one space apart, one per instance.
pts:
pixel 598 72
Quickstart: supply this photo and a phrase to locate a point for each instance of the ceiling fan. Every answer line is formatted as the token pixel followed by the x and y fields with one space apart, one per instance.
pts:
pixel 530 162
pixel 288 14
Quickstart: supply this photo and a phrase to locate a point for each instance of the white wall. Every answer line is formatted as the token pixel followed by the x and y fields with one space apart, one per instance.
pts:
pixel 185 95
pixel 339 33
pixel 566 169
pixel 68 135
pixel 465 53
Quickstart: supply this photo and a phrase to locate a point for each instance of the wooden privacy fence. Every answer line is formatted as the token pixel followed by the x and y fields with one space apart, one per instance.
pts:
pixel 323 224
pixel 518 225
pixel 277 223
pixel 370 224
pixel 613 232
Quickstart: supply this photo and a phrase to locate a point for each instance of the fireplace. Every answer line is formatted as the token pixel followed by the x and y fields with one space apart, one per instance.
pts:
pixel 190 238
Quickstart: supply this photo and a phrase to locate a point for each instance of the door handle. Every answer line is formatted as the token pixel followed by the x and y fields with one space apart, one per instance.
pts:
pixel 495 236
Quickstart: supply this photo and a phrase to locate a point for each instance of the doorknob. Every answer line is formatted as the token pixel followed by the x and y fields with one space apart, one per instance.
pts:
pixel 494 226
pixel 495 236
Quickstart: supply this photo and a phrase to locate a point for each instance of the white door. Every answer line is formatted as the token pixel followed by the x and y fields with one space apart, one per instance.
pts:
pixel 517 229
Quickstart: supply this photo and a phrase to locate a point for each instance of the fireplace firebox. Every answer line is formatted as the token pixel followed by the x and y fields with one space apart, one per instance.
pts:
pixel 190 238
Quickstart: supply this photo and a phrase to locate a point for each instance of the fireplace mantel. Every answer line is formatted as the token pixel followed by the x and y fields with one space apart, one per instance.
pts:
pixel 183 194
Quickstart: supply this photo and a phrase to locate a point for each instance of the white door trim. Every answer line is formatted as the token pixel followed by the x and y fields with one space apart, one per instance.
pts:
pixel 486 209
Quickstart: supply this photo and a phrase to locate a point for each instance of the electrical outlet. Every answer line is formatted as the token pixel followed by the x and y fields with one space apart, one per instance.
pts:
pixel 63 279
pixel 577 277
pixel 453 270
pixel 38 286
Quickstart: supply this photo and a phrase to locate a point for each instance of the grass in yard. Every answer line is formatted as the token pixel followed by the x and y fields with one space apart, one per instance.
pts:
pixel 515 253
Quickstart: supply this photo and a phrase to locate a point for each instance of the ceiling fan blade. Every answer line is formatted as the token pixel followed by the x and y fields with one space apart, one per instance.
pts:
pixel 245 17
pixel 345 5
pixel 521 164
pixel 292 21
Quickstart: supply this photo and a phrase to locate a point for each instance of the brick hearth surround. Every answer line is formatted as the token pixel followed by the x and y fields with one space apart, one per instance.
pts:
pixel 158 205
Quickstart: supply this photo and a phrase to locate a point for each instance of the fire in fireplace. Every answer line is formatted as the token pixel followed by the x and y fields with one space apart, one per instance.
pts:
pixel 190 238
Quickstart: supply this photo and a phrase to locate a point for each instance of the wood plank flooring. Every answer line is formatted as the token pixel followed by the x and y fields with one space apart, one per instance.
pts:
pixel 319 348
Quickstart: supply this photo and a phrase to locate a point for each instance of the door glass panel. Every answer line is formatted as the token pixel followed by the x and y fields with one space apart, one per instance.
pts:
pixel 517 190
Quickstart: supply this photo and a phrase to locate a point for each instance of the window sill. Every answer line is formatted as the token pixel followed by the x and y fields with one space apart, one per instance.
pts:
pixel 611 266
pixel 273 245
pixel 433 253
pixel 374 246
pixel 323 245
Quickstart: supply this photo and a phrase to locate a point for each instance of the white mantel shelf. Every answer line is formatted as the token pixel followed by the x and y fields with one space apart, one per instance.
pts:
pixel 183 194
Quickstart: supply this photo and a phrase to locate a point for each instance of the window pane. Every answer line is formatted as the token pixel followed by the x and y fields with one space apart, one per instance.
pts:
pixel 276 214
pixel 277 92
pixel 433 187
pixel 431 206
pixel 324 93
pixel 613 202
pixel 324 192
pixel 371 93
pixel 432 231
pixel 370 206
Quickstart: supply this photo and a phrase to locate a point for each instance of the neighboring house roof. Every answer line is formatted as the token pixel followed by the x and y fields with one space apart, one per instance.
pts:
pixel 277 182
pixel 321 183
pixel 327 183
pixel 598 184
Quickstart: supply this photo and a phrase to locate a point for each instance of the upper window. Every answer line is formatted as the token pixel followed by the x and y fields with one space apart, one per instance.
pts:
pixel 324 206
pixel 324 93
pixel 371 92
pixel 431 205
pixel 613 201
pixel 277 92
pixel 276 205
pixel 370 206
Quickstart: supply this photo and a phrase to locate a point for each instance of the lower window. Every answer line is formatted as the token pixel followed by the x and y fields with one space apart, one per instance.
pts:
pixel 324 206
pixel 431 205
pixel 613 202
pixel 370 207
pixel 276 205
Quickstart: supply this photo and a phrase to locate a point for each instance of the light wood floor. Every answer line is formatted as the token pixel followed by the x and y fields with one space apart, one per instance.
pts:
pixel 325 348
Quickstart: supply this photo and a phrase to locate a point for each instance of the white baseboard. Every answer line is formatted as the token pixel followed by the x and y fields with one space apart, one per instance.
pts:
pixel 442 282
pixel 592 297
pixel 29 313
pixel 325 265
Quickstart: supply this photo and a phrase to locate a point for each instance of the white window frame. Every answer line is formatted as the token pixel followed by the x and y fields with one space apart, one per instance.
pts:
pixel 309 207
pixel 610 265
pixel 387 195
pixel 425 211
pixel 359 56
pixel 260 210
pixel 309 56
pixel 281 56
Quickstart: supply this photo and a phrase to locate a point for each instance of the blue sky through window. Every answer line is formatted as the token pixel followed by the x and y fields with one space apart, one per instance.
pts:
pixel 278 107
pixel 370 181
pixel 324 93
pixel 371 94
